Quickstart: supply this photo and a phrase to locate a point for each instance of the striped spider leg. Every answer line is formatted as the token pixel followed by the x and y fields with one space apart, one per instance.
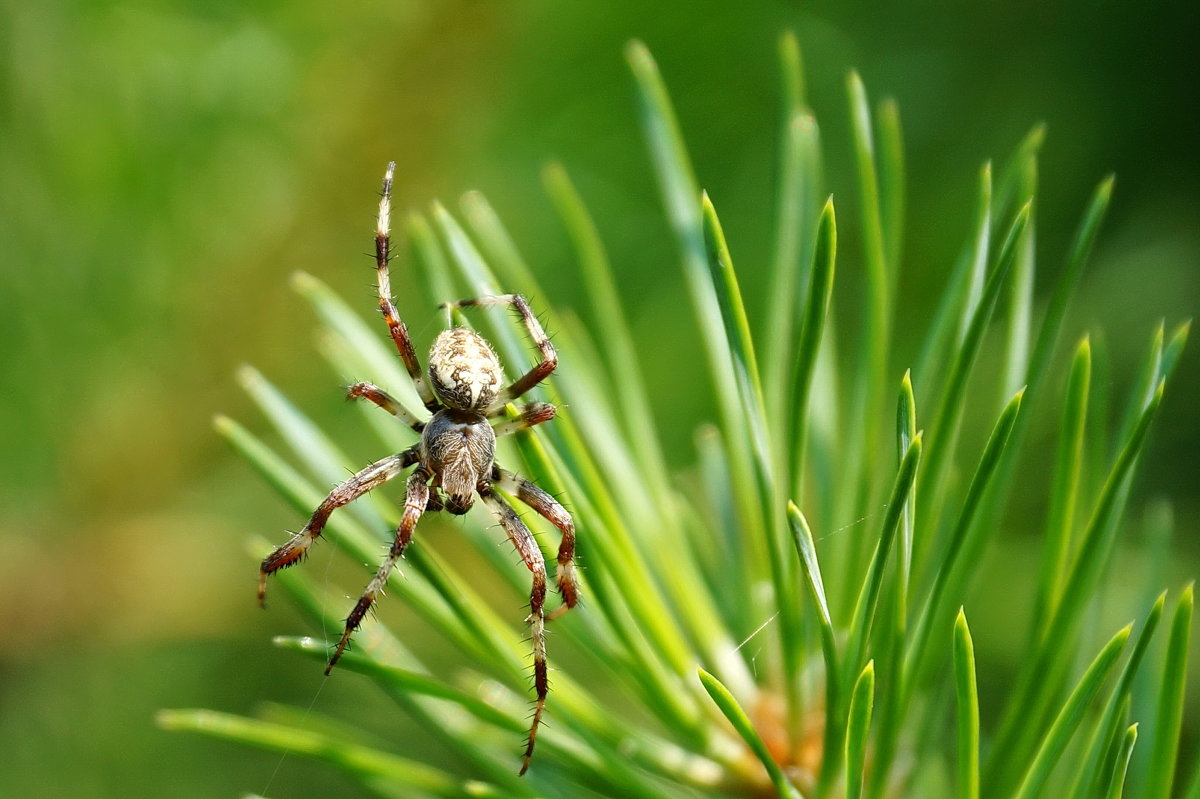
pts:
pixel 396 326
pixel 552 511
pixel 543 503
pixel 297 546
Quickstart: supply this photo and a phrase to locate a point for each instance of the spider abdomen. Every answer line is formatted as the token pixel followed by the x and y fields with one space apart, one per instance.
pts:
pixel 459 448
pixel 463 370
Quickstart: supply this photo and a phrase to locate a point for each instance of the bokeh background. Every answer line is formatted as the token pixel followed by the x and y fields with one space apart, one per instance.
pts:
pixel 165 165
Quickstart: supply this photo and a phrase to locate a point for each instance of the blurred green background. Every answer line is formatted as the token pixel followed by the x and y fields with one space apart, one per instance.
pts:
pixel 165 166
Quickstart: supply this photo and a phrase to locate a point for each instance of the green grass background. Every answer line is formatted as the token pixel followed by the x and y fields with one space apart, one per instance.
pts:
pixel 165 166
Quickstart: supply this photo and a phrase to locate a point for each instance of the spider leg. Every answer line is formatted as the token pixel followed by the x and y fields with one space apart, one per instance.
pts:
pixel 542 369
pixel 369 478
pixel 532 414
pixel 552 511
pixel 395 324
pixel 523 540
pixel 416 499
pixel 375 394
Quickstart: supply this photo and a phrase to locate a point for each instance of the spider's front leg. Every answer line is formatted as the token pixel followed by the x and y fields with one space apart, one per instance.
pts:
pixel 552 511
pixel 549 356
pixel 297 546
pixel 416 500
pixel 523 540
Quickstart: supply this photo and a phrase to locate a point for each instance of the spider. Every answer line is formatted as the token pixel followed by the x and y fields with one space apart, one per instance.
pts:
pixel 455 458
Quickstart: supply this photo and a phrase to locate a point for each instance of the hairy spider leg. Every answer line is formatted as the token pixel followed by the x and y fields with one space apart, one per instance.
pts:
pixel 396 326
pixel 297 546
pixel 541 370
pixel 416 499
pixel 523 540
pixel 532 414
pixel 375 394
pixel 552 511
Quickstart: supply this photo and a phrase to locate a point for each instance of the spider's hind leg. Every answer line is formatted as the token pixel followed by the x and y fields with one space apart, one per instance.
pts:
pixel 297 546
pixel 396 326
pixel 416 500
pixel 523 540
pixel 552 511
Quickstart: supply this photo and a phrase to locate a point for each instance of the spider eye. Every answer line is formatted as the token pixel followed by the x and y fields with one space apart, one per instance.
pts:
pixel 458 505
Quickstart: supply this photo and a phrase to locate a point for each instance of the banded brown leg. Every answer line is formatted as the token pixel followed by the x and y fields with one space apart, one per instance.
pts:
pixel 416 499
pixel 297 546
pixel 552 511
pixel 396 326
pixel 523 540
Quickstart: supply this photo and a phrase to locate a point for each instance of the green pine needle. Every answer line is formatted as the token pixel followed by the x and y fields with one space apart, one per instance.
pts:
pixel 967 694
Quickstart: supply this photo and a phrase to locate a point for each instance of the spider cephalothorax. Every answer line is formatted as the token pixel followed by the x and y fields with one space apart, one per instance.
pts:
pixel 459 448
pixel 455 458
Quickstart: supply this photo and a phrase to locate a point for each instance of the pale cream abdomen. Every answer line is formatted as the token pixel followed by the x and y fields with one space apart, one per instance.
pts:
pixel 463 370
